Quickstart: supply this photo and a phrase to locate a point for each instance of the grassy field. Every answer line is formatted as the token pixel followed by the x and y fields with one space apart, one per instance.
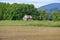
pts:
pixel 30 23
pixel 29 30
pixel 29 33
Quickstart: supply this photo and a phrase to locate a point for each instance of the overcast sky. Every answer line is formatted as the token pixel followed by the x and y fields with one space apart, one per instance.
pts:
pixel 37 3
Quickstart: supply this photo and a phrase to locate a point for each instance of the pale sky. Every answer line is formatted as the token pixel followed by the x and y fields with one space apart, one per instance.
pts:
pixel 37 3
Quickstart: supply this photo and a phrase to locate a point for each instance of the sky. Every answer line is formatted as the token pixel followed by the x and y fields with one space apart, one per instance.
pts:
pixel 37 3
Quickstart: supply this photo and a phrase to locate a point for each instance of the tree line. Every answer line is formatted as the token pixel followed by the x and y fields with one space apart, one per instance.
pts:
pixel 17 11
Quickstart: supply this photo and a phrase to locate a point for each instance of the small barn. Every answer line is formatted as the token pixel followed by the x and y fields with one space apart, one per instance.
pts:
pixel 27 17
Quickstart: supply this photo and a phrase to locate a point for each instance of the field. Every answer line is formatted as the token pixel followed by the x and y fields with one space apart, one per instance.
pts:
pixel 30 23
pixel 29 30
pixel 29 33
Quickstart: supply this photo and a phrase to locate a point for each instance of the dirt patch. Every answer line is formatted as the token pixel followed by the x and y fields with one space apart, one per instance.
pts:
pixel 29 33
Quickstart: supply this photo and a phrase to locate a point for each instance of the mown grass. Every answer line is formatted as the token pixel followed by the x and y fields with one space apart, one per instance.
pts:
pixel 30 23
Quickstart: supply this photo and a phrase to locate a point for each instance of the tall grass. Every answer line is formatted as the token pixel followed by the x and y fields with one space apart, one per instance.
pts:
pixel 30 23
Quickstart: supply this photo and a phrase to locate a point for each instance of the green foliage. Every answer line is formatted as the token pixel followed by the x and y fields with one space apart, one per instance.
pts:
pixel 16 11
pixel 55 16
pixel 43 14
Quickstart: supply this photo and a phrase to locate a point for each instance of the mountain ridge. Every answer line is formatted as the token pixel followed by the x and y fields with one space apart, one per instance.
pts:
pixel 51 7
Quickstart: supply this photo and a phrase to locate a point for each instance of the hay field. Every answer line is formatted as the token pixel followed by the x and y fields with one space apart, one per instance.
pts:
pixel 29 33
